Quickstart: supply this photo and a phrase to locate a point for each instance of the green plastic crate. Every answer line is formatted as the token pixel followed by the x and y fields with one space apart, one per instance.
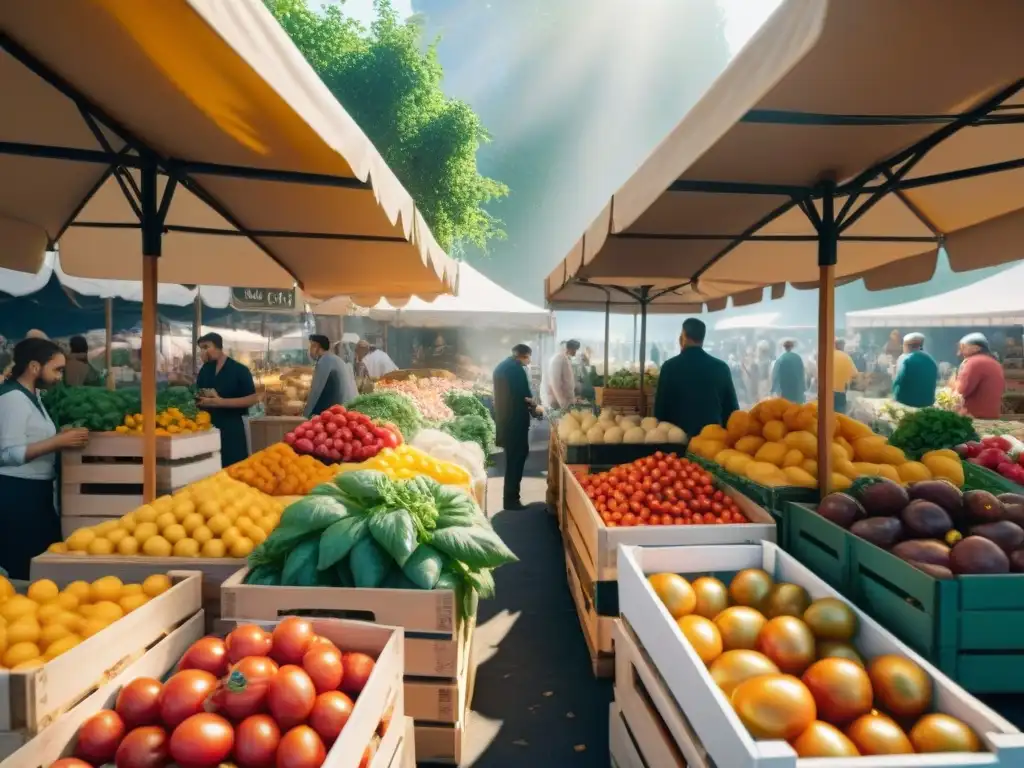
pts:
pixel 978 478
pixel 819 544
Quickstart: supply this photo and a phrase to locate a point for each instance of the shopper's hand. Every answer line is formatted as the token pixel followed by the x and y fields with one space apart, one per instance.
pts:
pixel 210 402
pixel 75 437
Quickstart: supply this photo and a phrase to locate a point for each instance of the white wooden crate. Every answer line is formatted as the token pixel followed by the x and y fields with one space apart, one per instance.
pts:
pixel 30 701
pixel 622 745
pixel 716 727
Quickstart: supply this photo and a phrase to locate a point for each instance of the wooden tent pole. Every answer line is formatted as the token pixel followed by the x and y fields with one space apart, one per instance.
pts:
pixel 150 276
pixel 197 324
pixel 828 246
pixel 607 336
pixel 108 355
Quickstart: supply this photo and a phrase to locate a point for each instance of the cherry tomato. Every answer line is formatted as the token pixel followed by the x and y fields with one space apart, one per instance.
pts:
pixel 292 638
pixel 184 695
pixel 100 736
pixel 331 711
pixel 248 640
pixel 207 653
pixel 358 667
pixel 138 703
pixel 256 740
pixel 290 696
pixel 144 747
pixel 70 762
pixel 301 747
pixel 629 519
pixel 202 740
pixel 323 665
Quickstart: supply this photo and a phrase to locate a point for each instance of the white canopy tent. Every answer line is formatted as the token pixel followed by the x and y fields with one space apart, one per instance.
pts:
pixel 768 321
pixel 996 300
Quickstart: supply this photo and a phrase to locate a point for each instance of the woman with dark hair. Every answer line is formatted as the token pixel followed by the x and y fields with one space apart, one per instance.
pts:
pixel 29 442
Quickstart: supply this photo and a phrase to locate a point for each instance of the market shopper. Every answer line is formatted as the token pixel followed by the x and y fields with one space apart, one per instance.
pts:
pixel 980 380
pixel 226 392
pixel 29 442
pixel 375 362
pixel 917 374
pixel 559 379
pixel 788 377
pixel 513 408
pixel 79 371
pixel 694 388
pixel 334 382
pixel 844 371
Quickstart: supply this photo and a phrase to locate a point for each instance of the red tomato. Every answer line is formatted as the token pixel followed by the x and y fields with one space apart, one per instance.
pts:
pixel 290 696
pixel 70 762
pixel 244 692
pixel 207 653
pixel 100 736
pixel 138 703
pixel 629 519
pixel 323 665
pixel 358 667
pixel 202 740
pixel 256 740
pixel 291 640
pixel 144 747
pixel 301 747
pixel 184 695
pixel 248 640
pixel 331 711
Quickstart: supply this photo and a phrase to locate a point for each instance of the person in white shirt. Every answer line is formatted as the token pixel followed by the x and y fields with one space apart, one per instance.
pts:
pixel 376 362
pixel 559 379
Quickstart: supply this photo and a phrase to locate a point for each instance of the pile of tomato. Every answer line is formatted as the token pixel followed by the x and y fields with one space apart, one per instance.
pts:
pixel 256 699
pixel 661 489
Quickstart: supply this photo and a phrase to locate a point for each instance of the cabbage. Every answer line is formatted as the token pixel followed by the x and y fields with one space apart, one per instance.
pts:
pixel 676 435
pixel 595 434
pixel 613 435
pixel 633 435
pixel 649 423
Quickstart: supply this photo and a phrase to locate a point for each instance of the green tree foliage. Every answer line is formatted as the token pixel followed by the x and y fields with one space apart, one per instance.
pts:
pixel 392 86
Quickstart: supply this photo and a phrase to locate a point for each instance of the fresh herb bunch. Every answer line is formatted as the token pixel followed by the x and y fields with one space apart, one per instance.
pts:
pixel 929 429
pixel 366 530
pixel 390 408
pixel 473 428
pixel 626 379
pixel 465 403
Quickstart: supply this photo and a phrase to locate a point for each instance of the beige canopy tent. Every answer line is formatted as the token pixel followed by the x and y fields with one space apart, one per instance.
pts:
pixel 850 139
pixel 198 125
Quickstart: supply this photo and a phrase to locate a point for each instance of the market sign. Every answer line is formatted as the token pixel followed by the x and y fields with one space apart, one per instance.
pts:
pixel 262 299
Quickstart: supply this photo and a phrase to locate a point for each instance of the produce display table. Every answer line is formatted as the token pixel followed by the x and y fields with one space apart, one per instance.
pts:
pixel 267 430
pixel 625 401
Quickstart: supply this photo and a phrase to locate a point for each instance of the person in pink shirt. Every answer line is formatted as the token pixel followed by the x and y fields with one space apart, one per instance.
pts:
pixel 980 380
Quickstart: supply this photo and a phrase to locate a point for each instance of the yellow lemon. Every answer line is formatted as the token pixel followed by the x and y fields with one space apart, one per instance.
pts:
pixel 63 645
pixel 174 533
pixel 146 514
pixel 104 528
pixel 129 522
pixel 107 610
pixel 131 589
pixel 156 584
pixel 191 522
pixel 68 600
pixel 186 548
pixel 58 548
pixel 230 536
pixel 79 589
pixel 16 607
pixel 3 641
pixel 183 508
pixel 91 626
pixel 241 547
pixel 129 545
pixel 35 663
pixel 79 540
pixel 163 504
pixel 145 531
pixel 49 612
pixel 218 524
pixel 268 523
pixel 209 508
pixel 42 591
pixel 105 588
pixel 72 621
pixel 115 536
pixel 100 546
pixel 6 588
pixel 51 633
pixel 19 653
pixel 157 546
pixel 129 603
pixel 213 548
pixel 202 534
pixel 256 535
pixel 24 630
pixel 166 520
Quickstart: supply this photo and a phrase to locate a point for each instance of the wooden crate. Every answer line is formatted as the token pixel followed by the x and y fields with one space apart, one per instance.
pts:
pixel 383 693
pixel 596 629
pixel 628 402
pixel 713 722
pixel 31 701
pixel 268 430
pixel 556 456
pixel 105 478
pixel 445 743
pixel 135 568
pixel 625 752
pixel 593 546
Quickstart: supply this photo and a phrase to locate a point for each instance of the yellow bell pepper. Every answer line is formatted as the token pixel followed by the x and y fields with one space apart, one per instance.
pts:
pixel 405 462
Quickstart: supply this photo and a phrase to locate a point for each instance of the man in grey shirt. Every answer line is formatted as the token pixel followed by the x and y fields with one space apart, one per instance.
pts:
pixel 334 382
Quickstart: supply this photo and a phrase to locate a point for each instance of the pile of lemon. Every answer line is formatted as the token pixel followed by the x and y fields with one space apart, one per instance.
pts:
pixel 215 517
pixel 47 621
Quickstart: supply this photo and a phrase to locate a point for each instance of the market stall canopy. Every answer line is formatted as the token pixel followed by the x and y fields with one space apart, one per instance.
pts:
pixel 996 300
pixel 843 114
pixel 273 182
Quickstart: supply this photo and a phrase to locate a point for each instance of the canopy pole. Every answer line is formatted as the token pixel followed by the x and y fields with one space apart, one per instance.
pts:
pixel 644 299
pixel 828 241
pixel 197 324
pixel 108 354
pixel 634 337
pixel 607 335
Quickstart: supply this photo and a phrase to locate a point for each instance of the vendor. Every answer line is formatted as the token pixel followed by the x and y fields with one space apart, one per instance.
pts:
pixel 235 394
pixel 372 362
pixel 789 379
pixel 29 442
pixel 917 374
pixel 980 380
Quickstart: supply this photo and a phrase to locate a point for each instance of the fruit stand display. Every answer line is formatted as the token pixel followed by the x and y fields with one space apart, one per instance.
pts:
pixel 789 670
pixel 65 637
pixel 943 570
pixel 610 437
pixel 622 391
pixel 660 499
pixel 294 693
